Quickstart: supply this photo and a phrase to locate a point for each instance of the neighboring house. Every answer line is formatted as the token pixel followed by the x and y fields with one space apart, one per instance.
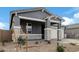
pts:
pixel 72 31
pixel 36 23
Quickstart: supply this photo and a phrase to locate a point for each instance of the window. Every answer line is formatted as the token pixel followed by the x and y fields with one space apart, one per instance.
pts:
pixel 29 24
pixel 29 27
pixel 54 24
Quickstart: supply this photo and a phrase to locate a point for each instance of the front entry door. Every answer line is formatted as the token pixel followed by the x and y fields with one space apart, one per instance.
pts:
pixel 42 30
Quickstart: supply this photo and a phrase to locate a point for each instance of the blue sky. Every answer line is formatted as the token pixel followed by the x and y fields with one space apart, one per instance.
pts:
pixel 69 14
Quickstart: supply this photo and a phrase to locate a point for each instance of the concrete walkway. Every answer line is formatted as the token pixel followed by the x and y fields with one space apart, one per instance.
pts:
pixel 70 41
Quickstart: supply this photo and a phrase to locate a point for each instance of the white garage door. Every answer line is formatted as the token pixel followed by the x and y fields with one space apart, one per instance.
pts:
pixel 53 33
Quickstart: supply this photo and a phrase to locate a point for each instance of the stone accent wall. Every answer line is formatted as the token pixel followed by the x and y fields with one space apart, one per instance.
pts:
pixel 16 33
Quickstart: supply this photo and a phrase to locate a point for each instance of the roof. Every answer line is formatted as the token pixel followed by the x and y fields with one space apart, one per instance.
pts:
pixel 36 9
pixel 31 10
pixel 72 26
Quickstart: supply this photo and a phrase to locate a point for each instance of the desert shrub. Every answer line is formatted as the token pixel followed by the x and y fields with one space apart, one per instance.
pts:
pixel 3 43
pixel 72 43
pixel 2 51
pixel 64 47
pixel 36 42
pixel 21 41
pixel 48 42
pixel 60 48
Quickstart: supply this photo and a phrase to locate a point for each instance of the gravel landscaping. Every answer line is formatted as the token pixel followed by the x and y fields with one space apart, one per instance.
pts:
pixel 70 45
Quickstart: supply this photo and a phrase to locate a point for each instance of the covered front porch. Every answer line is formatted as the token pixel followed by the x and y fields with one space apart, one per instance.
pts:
pixel 39 29
pixel 33 29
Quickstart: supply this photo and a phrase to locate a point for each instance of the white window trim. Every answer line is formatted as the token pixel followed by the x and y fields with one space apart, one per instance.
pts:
pixel 27 27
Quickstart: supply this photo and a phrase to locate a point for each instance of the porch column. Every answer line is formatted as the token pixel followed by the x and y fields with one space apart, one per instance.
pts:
pixel 47 29
pixel 59 32
pixel 48 23
pixel 16 28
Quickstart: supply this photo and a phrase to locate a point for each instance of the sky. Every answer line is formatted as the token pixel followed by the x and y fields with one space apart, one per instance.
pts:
pixel 69 14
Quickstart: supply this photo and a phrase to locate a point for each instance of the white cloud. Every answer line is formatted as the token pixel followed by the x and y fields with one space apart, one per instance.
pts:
pixel 4 25
pixel 67 21
pixel 76 16
pixel 73 19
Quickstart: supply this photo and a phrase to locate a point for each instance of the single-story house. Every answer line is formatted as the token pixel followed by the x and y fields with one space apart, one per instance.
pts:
pixel 72 31
pixel 36 23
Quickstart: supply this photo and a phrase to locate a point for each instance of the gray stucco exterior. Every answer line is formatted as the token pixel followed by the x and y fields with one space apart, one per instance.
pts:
pixel 37 26
pixel 16 19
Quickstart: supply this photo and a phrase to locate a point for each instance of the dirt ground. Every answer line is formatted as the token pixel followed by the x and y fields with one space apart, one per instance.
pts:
pixel 42 46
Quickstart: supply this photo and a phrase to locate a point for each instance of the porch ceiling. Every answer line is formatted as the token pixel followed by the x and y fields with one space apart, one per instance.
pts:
pixel 38 20
pixel 54 21
pixel 32 19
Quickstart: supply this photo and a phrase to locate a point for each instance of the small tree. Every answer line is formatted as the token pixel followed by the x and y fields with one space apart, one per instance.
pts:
pixel 21 41
pixel 60 48
pixel 26 41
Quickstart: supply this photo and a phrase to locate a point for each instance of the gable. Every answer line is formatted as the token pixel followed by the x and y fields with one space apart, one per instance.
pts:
pixel 34 14
pixel 37 13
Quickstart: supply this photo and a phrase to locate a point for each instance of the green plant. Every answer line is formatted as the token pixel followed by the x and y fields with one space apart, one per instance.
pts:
pixel 21 41
pixel 60 48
